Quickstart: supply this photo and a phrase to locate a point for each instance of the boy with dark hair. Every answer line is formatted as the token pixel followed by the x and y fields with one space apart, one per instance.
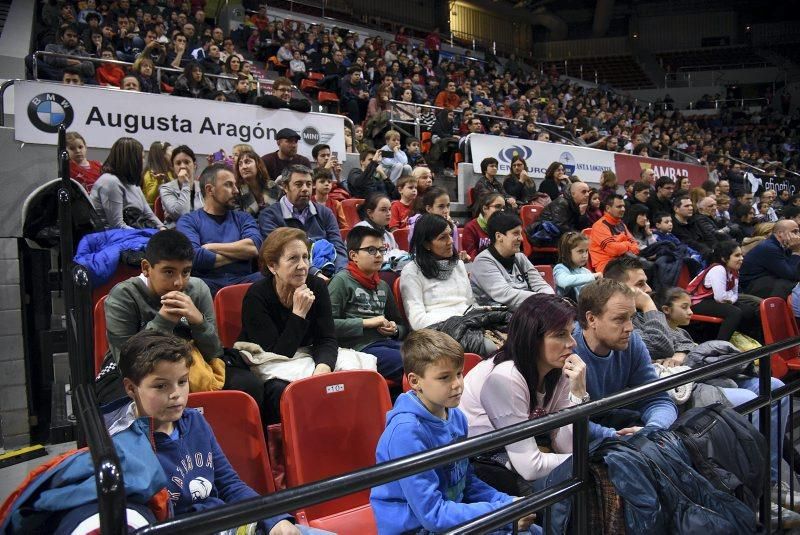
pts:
pixel 323 182
pixel 155 370
pixel 365 314
pixel 401 208
pixel 422 419
pixel 414 153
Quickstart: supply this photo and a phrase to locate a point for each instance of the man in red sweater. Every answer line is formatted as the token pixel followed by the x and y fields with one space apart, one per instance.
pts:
pixel 610 237
pixel 448 98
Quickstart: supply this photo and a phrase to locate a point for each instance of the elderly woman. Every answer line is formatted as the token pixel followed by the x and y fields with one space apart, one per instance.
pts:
pixel 289 309
pixel 256 188
pixel 183 194
pixel 501 274
pixel 535 373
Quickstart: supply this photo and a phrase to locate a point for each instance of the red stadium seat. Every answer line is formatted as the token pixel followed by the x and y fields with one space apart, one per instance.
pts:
pixel 399 298
pixel 425 142
pixel 778 324
pixel 328 98
pixel 460 239
pixel 350 209
pixel 308 86
pixel 123 273
pixel 228 310
pixel 470 361
pixel 588 233
pixel 470 197
pixel 315 76
pixel 158 209
pixel 401 237
pixel 546 271
pixel 100 335
pixel 317 448
pixel 530 214
pixel 236 420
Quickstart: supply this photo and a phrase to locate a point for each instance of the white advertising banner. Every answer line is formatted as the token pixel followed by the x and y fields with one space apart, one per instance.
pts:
pixel 588 164
pixel 103 115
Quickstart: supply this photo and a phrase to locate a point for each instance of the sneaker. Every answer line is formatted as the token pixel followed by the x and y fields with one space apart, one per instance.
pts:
pixel 790 518
pixel 784 496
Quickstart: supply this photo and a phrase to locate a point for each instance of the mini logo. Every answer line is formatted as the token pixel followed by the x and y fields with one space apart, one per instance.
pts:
pixel 312 136
pixel 48 110
pixel 508 154
pixel 568 161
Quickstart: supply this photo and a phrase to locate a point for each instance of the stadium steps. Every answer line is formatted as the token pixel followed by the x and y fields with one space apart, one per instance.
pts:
pixel 5 6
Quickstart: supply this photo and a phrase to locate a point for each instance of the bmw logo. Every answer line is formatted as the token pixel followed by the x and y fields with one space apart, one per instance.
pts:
pixel 507 154
pixel 49 110
pixel 568 161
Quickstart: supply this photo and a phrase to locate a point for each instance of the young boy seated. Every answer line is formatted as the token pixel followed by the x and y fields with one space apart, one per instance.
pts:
pixel 323 181
pixel 393 159
pixel 155 371
pixel 663 223
pixel 401 209
pixel 424 418
pixel 365 314
pixel 414 153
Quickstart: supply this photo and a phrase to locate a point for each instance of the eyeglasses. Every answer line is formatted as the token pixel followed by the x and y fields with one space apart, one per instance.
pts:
pixel 374 251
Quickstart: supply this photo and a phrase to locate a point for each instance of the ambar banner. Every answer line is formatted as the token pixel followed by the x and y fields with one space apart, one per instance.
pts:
pixel 103 115
pixel 586 163
pixel 630 167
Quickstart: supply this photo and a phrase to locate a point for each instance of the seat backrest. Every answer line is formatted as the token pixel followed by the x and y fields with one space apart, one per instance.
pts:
pixel 331 425
pixel 529 214
pixel 546 271
pixel 425 142
pixel 228 310
pixel 398 298
pixel 460 238
pixel 350 209
pixel 401 237
pixel 236 420
pixel 470 197
pixel 123 273
pixel 158 208
pixel 684 278
pixel 778 324
pixel 100 335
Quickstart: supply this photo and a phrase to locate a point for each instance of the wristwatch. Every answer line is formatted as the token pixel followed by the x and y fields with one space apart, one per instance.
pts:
pixel 576 400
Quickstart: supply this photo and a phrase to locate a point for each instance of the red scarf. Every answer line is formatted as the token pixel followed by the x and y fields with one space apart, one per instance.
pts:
pixel 367 281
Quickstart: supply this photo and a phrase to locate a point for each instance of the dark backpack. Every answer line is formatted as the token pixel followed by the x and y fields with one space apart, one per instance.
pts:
pixel 726 449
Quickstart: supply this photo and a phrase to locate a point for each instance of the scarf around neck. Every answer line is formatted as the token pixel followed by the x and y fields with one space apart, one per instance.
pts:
pixel 483 223
pixel 444 268
pixel 367 281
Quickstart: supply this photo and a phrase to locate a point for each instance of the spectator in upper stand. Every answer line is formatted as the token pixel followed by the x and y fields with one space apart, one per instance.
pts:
pixel 568 212
pixel 448 98
pixel 130 82
pixel 183 194
pixel 193 83
pixel 616 358
pixel 610 237
pixel 322 181
pixel 233 67
pixel 225 240
pixel 662 200
pixel 772 268
pixel 476 231
pixel 296 209
pixel 72 76
pixel 555 182
pixel 369 177
pixel 145 69
pixel 393 159
pixel 519 184
pixel 501 274
pixel 242 93
pixel 109 73
pixel 177 56
pixel 286 155
pixel 489 183
pixel 649 322
pixel 67 44
pixel 211 62
pixel 325 159
pixel 354 94
pixel 641 194
pixel 685 228
pixel 648 176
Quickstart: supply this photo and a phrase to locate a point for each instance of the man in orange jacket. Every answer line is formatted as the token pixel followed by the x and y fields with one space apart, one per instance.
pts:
pixel 610 237
pixel 448 98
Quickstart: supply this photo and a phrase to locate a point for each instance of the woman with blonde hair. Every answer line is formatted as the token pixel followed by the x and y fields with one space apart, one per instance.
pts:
pixel 157 170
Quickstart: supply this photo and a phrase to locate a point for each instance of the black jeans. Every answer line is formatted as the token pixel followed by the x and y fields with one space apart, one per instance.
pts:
pixel 743 316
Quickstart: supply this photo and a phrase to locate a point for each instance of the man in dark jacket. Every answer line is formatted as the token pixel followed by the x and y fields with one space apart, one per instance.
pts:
pixel 568 213
pixel 686 229
pixel 662 200
pixel 706 210
pixel 772 268
pixel 369 177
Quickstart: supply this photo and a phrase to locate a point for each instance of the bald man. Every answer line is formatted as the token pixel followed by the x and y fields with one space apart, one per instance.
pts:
pixel 772 268
pixel 704 219
pixel 568 212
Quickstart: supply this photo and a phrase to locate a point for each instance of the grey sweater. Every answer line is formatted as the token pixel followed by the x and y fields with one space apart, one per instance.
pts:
pixel 652 326
pixel 132 307
pixel 492 283
pixel 110 197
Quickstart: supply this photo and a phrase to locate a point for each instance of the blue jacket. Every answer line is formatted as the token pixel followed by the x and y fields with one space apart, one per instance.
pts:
pixel 99 252
pixel 71 484
pixel 320 225
pixel 437 499
pixel 199 476
pixel 621 370
pixel 201 228
pixel 769 259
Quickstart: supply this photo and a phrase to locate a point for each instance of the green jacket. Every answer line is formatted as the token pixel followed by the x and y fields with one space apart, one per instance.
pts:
pixel 132 307
pixel 352 303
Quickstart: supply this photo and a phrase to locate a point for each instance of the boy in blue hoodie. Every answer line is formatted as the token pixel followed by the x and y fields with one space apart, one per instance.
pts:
pixel 155 371
pixel 422 419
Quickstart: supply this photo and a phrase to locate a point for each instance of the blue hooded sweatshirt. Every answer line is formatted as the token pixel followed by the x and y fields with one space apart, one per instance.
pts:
pixel 437 499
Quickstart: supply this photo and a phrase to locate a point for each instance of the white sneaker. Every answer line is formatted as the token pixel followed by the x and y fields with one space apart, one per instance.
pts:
pixel 784 497
pixel 790 518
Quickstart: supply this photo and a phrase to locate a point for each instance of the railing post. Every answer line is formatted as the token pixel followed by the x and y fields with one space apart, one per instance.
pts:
pixel 580 471
pixel 3 87
pixel 765 427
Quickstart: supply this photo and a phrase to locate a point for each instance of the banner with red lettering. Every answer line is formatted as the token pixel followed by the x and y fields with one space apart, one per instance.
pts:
pixel 630 167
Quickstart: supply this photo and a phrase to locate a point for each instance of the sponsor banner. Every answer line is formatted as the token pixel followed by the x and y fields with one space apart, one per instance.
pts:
pixel 586 163
pixel 630 167
pixel 104 115
pixel 790 183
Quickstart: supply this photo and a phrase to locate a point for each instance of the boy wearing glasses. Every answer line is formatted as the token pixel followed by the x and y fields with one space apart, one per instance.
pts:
pixel 365 314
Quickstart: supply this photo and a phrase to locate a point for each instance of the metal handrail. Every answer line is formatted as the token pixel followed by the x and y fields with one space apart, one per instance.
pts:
pixel 295 498
pixel 5 85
